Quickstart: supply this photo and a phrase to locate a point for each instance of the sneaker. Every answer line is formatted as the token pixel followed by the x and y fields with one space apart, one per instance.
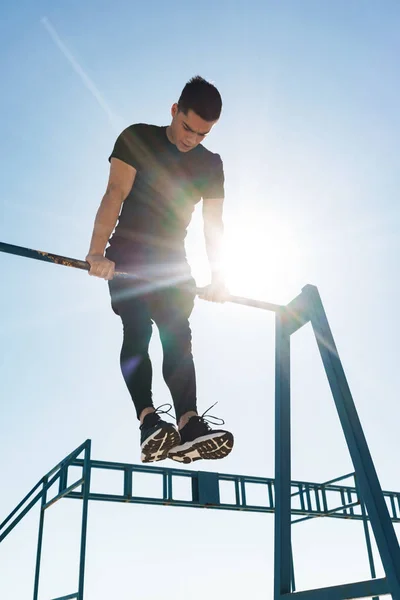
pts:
pixel 199 441
pixel 157 436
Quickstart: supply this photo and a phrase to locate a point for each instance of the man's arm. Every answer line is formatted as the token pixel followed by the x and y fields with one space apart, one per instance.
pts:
pixel 213 233
pixel 120 182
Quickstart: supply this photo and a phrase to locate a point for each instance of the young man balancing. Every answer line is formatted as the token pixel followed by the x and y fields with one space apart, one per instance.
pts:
pixel 157 175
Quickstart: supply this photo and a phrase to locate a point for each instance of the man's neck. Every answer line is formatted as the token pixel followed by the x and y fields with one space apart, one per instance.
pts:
pixel 170 137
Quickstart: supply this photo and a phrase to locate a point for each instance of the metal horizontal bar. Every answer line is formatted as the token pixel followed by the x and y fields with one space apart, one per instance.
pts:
pixel 329 513
pixel 243 507
pixel 361 589
pixel 70 597
pixel 328 486
pixel 71 488
pixel 341 478
pixel 163 502
pixel 83 265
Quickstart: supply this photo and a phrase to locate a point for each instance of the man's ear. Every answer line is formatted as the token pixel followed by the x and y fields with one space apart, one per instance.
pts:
pixel 174 109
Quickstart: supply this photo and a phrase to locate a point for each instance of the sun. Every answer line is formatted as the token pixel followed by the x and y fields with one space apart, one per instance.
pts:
pixel 261 257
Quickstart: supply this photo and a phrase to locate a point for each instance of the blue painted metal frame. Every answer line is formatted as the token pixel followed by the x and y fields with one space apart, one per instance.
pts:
pixel 369 498
pixel 308 308
pixel 315 499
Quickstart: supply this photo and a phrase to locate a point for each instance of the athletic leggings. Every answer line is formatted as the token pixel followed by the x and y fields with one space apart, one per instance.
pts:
pixel 169 308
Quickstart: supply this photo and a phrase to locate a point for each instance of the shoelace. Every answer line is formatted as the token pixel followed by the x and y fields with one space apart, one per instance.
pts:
pixel 159 411
pixel 210 418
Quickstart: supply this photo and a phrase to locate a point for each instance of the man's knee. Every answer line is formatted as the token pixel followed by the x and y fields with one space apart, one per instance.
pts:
pixel 177 339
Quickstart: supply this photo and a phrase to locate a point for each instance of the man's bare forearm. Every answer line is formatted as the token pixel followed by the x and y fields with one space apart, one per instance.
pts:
pixel 106 219
pixel 213 234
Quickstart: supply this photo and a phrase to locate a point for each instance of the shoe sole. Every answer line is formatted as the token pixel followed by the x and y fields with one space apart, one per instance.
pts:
pixel 208 447
pixel 158 445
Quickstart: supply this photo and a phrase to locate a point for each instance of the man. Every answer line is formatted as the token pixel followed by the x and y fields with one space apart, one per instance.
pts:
pixel 157 175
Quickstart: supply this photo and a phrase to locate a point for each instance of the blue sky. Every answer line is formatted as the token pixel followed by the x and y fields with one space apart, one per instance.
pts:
pixel 310 141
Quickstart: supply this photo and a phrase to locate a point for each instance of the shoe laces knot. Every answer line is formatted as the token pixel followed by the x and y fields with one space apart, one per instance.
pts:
pixel 159 410
pixel 211 418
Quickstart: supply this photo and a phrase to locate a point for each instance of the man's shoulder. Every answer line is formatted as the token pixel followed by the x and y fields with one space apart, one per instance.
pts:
pixel 211 159
pixel 142 130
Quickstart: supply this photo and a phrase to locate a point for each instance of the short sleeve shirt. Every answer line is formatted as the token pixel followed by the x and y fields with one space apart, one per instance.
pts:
pixel 167 186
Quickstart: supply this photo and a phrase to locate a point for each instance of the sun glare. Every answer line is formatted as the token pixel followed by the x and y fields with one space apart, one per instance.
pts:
pixel 261 258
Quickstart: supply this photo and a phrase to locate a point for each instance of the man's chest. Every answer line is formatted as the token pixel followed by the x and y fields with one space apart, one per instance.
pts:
pixel 172 179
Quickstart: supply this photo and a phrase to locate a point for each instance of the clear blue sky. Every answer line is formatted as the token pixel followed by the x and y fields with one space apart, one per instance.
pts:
pixel 310 141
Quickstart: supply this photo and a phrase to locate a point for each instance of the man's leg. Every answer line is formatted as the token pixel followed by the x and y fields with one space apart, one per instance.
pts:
pixel 157 436
pixel 137 330
pixel 171 313
pixel 170 309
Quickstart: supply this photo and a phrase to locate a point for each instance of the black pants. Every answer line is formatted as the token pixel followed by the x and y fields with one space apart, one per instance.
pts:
pixel 169 308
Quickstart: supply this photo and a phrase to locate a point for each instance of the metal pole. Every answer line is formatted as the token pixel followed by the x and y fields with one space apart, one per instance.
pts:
pixel 367 479
pixel 283 556
pixel 84 266
pixel 86 491
pixel 40 540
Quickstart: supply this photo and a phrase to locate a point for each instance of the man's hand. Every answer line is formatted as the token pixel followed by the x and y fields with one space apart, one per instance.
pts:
pixel 100 266
pixel 216 291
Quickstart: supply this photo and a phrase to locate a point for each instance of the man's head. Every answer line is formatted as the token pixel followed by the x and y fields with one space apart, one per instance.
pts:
pixel 195 113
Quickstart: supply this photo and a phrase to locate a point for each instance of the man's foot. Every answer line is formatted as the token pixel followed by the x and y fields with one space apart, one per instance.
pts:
pixel 199 441
pixel 157 438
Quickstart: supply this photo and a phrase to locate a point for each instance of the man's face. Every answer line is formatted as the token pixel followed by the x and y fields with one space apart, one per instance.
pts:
pixel 188 131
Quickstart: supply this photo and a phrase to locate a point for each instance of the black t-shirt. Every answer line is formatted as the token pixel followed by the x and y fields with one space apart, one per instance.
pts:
pixel 154 218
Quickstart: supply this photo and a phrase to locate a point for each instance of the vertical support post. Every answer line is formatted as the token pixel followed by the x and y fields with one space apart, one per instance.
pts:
pixel 368 483
pixel 368 543
pixel 85 493
pixel 283 550
pixel 293 586
pixel 40 540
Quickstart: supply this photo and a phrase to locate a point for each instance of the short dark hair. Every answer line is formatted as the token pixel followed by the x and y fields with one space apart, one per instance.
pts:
pixel 202 97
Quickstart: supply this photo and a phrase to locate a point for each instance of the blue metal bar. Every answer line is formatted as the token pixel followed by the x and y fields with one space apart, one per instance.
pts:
pixel 329 513
pixel 237 492
pixel 324 501
pixel 63 479
pixel 296 314
pixel 85 492
pixel 366 475
pixel 308 497
pixel 270 495
pixel 68 459
pixel 40 542
pixel 16 509
pixel 239 481
pixel 350 500
pixel 292 576
pixel 361 589
pixel 48 484
pixel 67 490
pixel 169 494
pixel 392 504
pixel 27 508
pixel 336 479
pixel 343 501
pixel 70 597
pixel 282 568
pixel 368 544
pixel 243 492
pixel 128 482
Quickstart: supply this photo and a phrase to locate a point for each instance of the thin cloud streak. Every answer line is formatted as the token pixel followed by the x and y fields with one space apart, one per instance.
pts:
pixel 88 83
